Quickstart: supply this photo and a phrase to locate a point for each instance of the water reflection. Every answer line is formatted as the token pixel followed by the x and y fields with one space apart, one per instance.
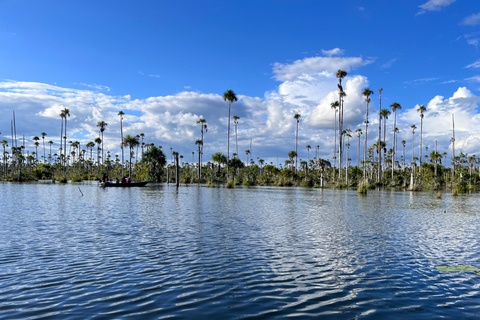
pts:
pixel 193 252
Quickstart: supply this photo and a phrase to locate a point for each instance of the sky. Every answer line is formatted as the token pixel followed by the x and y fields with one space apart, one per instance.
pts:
pixel 166 64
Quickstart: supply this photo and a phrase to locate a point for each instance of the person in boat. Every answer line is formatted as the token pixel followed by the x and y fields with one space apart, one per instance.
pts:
pixel 104 177
pixel 124 180
pixel 117 181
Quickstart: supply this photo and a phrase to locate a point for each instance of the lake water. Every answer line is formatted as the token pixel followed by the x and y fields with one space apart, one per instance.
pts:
pixel 243 253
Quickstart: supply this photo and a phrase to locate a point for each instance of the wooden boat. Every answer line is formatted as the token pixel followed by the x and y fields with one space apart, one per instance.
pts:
pixel 123 185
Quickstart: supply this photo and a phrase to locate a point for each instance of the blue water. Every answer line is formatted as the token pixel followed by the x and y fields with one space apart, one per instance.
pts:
pixel 243 253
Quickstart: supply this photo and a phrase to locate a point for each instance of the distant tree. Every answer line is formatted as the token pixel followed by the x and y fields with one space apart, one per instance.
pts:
pixel 156 160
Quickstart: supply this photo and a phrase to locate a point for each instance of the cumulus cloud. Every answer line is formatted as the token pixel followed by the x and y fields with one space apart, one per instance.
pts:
pixel 434 5
pixel 472 20
pixel 437 123
pixel 333 52
pixel 289 72
pixel 306 86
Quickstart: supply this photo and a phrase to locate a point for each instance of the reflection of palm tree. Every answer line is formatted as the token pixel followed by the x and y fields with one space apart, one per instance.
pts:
pixel 131 142
pixel 297 118
pixel 231 97
pixel 422 109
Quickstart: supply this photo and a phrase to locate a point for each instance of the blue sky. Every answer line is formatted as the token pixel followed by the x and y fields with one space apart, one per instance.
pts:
pixel 167 63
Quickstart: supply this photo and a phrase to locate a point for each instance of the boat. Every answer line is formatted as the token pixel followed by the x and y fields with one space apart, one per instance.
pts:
pixel 123 185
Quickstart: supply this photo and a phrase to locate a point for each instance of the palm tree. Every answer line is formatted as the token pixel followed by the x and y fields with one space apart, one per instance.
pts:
pixel 385 113
pixel 98 141
pixel 235 120
pixel 142 135
pixel 366 93
pixel 43 138
pixel 297 118
pixel 403 158
pixel 219 158
pixel 62 117
pixel 379 150
pixel 131 142
pixel 102 124
pixel 121 114
pixel 395 106
pixel 36 139
pixel 291 155
pixel 413 140
pixel 359 133
pixel 340 75
pixel 335 105
pixel 247 152
pixel 308 152
pixel 50 154
pixel 231 97
pixel 66 113
pixel 199 143
pixel 203 126
pixel 422 109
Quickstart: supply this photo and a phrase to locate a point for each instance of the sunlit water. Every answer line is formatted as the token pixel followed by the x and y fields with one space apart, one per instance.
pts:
pixel 217 253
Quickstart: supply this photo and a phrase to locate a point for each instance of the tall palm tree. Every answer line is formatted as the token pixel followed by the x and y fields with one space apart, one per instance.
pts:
pixel 297 118
pixel 62 117
pixel 142 135
pixel 50 154
pixel 121 114
pixel 36 139
pixel 359 133
pixel 379 150
pixel 308 152
pixel 66 113
pixel 291 155
pixel 231 97
pixel 366 93
pixel 335 105
pixel 395 106
pixel 340 75
pixel 403 158
pixel 235 121
pixel 199 143
pixel 102 124
pixel 422 109
pixel 131 142
pixel 413 140
pixel 43 138
pixel 203 126
pixel 98 141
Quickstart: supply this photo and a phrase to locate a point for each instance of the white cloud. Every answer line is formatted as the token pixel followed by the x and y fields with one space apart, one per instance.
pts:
pixel 333 52
pixel 388 64
pixel 434 5
pixel 471 20
pixel 288 72
pixel 474 65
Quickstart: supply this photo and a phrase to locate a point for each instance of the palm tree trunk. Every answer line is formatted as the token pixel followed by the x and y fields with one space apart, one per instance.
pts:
pixel 228 138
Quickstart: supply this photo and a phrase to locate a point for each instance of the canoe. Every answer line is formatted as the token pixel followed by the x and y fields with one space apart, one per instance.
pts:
pixel 123 185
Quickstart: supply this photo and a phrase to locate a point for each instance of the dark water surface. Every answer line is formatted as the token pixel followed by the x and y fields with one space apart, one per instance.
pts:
pixel 216 253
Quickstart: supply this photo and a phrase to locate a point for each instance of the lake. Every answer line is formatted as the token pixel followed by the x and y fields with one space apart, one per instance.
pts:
pixel 243 253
